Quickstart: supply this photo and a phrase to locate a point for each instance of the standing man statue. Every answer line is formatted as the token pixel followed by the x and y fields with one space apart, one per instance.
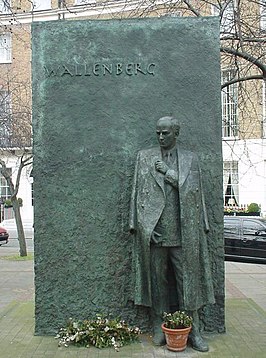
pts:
pixel 169 220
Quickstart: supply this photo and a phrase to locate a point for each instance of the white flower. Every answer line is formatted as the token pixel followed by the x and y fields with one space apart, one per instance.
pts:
pixel 106 329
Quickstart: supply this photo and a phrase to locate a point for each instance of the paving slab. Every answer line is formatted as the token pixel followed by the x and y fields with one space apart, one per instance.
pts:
pixel 246 280
pixel 245 335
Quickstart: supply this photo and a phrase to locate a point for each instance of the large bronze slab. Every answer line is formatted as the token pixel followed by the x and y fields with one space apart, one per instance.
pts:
pixel 99 88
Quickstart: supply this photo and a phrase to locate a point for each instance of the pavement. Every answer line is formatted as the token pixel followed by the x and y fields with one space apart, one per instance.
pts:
pixel 245 335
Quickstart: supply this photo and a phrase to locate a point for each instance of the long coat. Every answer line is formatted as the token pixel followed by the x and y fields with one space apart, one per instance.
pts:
pixel 147 203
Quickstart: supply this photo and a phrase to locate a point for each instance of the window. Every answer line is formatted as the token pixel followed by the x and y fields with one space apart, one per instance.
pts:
pixel 227 16
pixel 32 188
pixel 264 108
pixel 231 183
pixel 263 15
pixel 5 118
pixel 231 226
pixel 5 48
pixel 84 2
pixel 38 5
pixel 5 6
pixel 229 105
pixel 4 188
pixel 250 227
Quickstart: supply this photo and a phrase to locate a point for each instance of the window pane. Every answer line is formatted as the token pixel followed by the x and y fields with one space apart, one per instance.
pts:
pixel 5 6
pixel 227 22
pixel 4 189
pixel 5 119
pixel 41 5
pixel 5 48
pixel 229 106
pixel 263 15
pixel 231 183
pixel 252 227
pixel 231 226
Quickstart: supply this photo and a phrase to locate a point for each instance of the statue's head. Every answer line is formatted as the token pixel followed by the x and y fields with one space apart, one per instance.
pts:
pixel 167 130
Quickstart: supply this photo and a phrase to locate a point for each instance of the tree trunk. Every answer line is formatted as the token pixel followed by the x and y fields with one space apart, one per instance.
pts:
pixel 20 230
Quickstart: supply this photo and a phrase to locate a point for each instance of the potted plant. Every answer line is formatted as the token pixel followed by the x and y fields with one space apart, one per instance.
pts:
pixel 176 327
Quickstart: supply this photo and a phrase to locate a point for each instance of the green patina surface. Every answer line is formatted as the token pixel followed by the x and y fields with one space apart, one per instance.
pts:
pixel 98 89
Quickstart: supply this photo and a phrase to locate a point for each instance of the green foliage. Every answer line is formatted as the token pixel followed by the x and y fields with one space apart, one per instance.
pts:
pixel 178 319
pixel 8 203
pixel 253 208
pixel 20 201
pixel 100 332
pixel 17 257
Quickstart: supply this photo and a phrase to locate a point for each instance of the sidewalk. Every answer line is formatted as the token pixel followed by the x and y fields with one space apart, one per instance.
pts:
pixel 245 320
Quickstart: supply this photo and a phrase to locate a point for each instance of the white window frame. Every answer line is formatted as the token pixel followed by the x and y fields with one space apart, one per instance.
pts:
pixel 231 183
pixel 5 48
pixel 264 107
pixel 227 20
pixel 4 188
pixel 5 6
pixel 229 106
pixel 39 5
pixel 5 118
pixel 84 2
pixel 263 15
pixel 5 105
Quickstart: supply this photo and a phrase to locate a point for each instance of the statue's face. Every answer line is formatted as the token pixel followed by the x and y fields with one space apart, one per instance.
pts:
pixel 165 134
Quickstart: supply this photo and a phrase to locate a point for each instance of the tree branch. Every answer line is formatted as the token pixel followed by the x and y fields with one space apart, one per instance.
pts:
pixel 23 163
pixel 245 39
pixel 242 79
pixel 246 57
pixel 191 8
pixel 7 176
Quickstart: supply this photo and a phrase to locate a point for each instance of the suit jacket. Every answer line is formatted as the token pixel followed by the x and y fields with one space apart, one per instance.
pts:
pixel 147 203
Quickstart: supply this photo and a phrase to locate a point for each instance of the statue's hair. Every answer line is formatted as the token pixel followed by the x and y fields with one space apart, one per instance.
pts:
pixel 174 123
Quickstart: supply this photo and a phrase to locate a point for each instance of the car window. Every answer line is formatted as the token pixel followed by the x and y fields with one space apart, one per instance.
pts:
pixel 250 227
pixel 231 226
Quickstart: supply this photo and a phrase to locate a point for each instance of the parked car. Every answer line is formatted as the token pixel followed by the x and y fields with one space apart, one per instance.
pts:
pixel 3 236
pixel 245 239
pixel 11 227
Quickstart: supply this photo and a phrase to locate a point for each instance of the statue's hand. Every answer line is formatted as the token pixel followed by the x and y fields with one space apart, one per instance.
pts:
pixel 161 167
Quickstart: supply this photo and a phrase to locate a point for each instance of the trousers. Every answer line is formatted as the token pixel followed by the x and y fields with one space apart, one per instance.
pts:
pixel 160 256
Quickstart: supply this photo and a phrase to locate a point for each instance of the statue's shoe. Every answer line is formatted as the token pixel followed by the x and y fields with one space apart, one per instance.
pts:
pixel 198 343
pixel 158 338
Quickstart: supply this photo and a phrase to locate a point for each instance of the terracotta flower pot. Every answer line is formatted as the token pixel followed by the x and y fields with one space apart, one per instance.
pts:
pixel 176 339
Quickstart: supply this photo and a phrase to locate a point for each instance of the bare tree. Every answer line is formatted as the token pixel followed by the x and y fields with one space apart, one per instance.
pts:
pixel 15 104
pixel 24 160
pixel 15 139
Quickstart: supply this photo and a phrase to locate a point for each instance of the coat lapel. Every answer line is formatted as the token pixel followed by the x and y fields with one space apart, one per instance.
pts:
pixel 184 165
pixel 159 178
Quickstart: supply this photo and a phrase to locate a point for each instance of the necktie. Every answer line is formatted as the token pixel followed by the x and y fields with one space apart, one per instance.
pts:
pixel 168 158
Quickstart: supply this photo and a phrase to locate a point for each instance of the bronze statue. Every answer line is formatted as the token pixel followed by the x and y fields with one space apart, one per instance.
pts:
pixel 169 219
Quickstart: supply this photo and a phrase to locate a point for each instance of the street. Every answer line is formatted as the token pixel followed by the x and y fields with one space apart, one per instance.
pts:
pixel 13 246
